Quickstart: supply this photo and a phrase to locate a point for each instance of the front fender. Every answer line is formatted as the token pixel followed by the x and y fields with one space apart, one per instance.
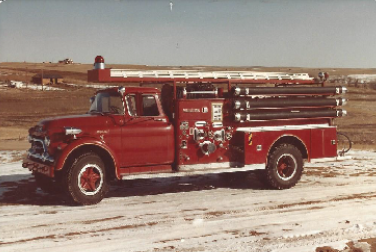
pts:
pixel 60 162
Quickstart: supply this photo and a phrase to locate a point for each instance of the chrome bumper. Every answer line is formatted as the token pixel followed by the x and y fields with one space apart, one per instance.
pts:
pixel 38 167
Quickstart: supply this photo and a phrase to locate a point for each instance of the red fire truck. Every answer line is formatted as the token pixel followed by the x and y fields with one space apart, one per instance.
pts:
pixel 196 122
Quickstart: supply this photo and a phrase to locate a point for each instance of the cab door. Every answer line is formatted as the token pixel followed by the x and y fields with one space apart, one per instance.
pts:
pixel 147 135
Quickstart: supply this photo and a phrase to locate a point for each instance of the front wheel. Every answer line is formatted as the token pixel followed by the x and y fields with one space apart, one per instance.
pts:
pixel 86 180
pixel 285 167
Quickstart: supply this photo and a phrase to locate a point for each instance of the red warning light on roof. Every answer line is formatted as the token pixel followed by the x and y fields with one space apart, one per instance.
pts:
pixel 99 62
pixel 99 59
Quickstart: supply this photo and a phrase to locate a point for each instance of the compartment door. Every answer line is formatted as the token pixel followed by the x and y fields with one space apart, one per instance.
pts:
pixel 324 142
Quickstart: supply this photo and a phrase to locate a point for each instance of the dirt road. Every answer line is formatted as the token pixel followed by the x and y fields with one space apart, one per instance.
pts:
pixel 334 204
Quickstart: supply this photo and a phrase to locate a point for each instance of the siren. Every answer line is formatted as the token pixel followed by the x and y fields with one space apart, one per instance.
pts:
pixel 99 62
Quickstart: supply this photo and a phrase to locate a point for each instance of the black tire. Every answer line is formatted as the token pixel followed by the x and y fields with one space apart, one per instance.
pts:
pixel 47 184
pixel 285 167
pixel 85 182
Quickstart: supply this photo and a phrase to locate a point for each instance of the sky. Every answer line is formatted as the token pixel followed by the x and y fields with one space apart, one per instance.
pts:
pixel 296 33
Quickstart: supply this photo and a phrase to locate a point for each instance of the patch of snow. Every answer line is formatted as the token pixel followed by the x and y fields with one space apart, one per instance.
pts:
pixel 9 156
pixel 45 88
pixel 96 86
pixel 198 222
pixel 364 77
pixel 17 84
pixel 363 246
pixel 21 85
pixel 204 213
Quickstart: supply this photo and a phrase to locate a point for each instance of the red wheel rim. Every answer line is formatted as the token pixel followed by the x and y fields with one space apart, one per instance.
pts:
pixel 286 166
pixel 90 179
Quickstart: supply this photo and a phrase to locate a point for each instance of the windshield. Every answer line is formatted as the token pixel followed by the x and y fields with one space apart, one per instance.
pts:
pixel 107 103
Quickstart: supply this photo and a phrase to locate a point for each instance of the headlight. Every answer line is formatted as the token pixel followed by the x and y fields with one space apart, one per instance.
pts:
pixel 72 131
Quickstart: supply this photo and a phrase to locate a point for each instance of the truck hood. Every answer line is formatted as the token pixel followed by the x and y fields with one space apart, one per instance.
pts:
pixel 58 124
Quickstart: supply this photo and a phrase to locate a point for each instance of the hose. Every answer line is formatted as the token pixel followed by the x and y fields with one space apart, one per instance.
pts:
pixel 343 151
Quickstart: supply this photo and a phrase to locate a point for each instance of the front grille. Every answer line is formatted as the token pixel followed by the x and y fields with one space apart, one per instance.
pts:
pixel 37 147
pixel 38 150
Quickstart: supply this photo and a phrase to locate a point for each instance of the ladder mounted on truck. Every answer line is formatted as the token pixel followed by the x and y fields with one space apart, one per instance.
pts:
pixel 208 75
pixel 175 77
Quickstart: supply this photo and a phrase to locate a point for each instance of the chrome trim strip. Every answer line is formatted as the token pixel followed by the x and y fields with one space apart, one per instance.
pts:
pixel 281 128
pixel 217 125
pixel 200 123
pixel 205 169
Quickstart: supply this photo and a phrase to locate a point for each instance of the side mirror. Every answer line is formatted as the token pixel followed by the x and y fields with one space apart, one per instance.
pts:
pixel 92 99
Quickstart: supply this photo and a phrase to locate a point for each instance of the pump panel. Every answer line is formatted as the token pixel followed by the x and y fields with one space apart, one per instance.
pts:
pixel 202 136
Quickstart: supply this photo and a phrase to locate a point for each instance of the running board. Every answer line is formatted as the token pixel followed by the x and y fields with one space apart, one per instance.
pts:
pixel 193 172
pixel 202 169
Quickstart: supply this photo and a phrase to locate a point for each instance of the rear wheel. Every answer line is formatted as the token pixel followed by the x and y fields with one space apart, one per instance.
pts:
pixel 86 180
pixel 285 167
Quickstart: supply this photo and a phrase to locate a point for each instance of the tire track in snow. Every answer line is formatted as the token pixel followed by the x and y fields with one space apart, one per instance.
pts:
pixel 203 213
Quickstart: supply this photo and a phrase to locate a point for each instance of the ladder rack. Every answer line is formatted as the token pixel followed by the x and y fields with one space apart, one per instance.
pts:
pixel 208 75
pixel 190 78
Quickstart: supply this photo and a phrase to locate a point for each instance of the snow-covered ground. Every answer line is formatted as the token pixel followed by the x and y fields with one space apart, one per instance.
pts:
pixel 9 156
pixel 333 204
pixel 96 86
pixel 21 85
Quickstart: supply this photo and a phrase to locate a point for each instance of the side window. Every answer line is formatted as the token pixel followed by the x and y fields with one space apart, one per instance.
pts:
pixel 132 104
pixel 149 106
pixel 116 104
pixel 109 103
pixel 105 102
